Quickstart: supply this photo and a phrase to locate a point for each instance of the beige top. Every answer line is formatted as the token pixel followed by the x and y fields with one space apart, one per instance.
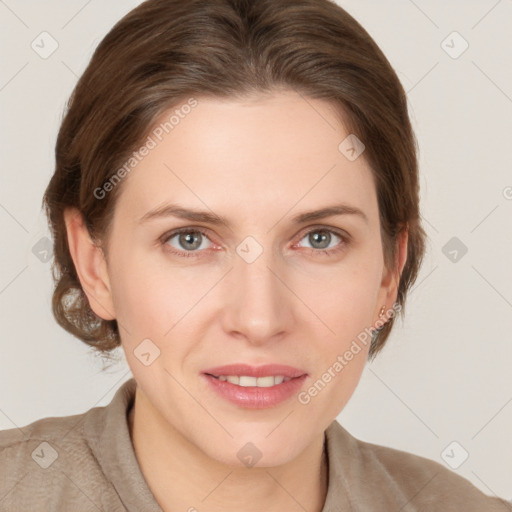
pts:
pixel 86 462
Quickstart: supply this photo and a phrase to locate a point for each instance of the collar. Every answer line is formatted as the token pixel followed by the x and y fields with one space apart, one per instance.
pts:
pixel 107 431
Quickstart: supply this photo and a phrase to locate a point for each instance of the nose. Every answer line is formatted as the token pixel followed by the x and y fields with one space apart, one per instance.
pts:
pixel 258 305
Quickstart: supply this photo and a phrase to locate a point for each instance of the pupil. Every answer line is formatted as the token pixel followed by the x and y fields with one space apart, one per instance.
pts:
pixel 189 238
pixel 324 235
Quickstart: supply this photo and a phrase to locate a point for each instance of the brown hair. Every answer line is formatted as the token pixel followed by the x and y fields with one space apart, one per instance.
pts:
pixel 164 51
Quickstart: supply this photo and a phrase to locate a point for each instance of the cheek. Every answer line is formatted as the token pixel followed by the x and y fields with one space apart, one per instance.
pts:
pixel 157 302
pixel 334 383
pixel 144 297
pixel 345 298
pixel 345 303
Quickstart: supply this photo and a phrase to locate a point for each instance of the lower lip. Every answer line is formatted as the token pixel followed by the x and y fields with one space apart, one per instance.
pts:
pixel 253 397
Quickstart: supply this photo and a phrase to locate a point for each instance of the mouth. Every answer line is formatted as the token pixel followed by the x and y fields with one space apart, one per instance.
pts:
pixel 255 387
pixel 246 381
pixel 246 375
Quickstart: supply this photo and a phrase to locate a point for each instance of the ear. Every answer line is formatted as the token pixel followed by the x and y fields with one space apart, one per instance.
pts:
pixel 391 277
pixel 90 265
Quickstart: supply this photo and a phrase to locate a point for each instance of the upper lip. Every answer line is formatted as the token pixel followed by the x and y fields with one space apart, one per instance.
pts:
pixel 256 371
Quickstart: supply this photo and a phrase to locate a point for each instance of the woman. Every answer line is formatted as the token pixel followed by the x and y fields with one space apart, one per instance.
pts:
pixel 236 204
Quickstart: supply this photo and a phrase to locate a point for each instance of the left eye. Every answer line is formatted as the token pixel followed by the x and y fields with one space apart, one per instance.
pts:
pixel 320 236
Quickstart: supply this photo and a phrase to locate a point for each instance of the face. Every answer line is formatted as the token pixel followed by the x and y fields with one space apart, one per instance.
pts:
pixel 262 288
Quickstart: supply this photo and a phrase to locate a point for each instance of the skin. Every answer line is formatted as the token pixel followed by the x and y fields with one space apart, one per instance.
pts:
pixel 257 162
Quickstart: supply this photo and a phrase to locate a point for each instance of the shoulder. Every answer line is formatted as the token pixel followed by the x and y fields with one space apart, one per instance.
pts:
pixel 44 441
pixel 407 480
pixel 50 462
pixel 427 482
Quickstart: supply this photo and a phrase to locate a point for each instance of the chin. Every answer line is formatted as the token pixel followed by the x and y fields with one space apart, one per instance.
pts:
pixel 255 448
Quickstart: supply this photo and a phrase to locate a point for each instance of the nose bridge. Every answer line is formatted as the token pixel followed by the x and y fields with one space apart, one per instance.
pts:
pixel 257 298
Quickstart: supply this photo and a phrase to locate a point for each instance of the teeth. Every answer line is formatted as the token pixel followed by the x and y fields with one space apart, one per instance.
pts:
pixel 260 382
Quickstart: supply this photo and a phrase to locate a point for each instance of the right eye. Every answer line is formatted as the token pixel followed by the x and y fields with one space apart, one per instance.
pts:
pixel 188 240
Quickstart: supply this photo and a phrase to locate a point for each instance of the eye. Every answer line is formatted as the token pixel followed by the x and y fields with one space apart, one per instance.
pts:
pixel 191 241
pixel 188 240
pixel 321 238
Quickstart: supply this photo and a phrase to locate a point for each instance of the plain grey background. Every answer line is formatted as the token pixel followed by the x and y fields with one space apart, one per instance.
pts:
pixel 442 388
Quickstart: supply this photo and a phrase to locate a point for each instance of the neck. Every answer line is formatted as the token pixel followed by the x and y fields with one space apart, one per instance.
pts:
pixel 181 477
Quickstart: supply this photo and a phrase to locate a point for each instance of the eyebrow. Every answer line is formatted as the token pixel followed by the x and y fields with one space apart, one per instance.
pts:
pixel 175 210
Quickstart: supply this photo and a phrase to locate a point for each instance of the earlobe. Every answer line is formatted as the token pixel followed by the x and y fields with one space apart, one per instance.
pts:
pixel 90 265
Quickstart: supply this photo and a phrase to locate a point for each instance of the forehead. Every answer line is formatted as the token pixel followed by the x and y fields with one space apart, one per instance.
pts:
pixel 251 157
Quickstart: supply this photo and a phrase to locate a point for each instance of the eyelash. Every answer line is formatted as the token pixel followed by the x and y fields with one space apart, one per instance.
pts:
pixel 188 254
